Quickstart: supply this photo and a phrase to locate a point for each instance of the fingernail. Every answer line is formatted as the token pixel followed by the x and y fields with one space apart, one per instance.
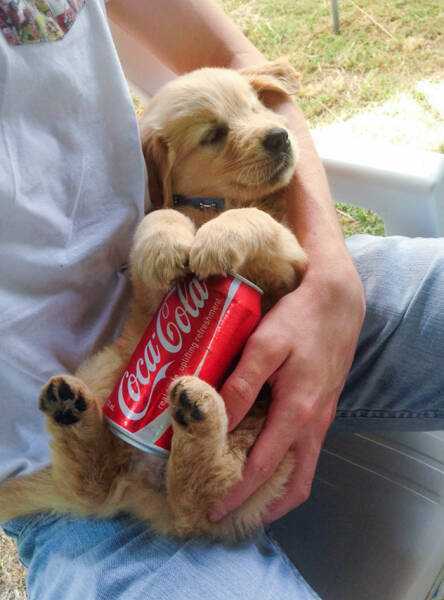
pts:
pixel 217 516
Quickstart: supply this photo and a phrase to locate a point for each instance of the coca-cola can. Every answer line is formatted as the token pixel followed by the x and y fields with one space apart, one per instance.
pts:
pixel 199 329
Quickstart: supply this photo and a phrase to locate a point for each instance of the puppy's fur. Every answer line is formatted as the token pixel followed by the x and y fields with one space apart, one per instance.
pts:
pixel 204 134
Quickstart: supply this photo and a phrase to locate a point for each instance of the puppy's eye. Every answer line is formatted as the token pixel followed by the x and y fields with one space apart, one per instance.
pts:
pixel 215 135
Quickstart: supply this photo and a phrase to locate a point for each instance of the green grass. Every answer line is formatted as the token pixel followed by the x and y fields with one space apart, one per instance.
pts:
pixel 384 47
pixel 358 220
pixel 375 54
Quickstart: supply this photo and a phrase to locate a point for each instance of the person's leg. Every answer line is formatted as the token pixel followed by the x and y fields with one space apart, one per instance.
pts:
pixel 397 379
pixel 366 526
pixel 87 559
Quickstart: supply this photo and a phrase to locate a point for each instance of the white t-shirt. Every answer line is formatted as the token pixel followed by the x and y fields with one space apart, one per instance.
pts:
pixel 72 183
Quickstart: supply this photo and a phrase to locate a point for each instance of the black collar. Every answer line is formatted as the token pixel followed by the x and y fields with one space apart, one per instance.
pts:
pixel 217 204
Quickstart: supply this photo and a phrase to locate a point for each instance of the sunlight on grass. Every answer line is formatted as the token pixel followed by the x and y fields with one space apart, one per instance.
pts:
pixel 364 64
pixel 382 51
pixel 358 220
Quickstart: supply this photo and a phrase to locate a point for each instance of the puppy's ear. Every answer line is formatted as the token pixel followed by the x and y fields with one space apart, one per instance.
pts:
pixel 159 161
pixel 277 76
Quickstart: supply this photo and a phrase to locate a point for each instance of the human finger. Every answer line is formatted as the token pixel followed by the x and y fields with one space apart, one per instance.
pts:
pixel 267 453
pixel 258 362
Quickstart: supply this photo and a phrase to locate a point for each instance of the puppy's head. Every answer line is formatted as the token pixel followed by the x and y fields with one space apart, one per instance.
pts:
pixel 208 134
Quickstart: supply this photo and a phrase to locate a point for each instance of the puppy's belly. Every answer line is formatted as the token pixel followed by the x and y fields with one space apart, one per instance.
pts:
pixel 151 468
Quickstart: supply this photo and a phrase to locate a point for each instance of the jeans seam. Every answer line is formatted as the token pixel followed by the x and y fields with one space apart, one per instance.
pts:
pixel 37 519
pixel 388 414
pixel 286 561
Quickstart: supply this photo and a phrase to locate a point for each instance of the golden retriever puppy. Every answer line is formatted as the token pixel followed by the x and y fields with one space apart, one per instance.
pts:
pixel 218 160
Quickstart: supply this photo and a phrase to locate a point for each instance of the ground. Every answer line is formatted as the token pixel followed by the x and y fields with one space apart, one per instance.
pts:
pixel 12 584
pixel 380 78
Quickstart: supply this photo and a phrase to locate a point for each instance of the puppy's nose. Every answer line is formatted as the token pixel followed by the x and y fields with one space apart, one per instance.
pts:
pixel 276 140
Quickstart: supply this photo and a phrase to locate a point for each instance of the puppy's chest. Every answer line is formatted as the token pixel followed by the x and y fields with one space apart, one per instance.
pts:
pixel 275 206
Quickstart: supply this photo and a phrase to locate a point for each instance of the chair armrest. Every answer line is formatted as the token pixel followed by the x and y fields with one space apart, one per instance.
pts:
pixel 404 186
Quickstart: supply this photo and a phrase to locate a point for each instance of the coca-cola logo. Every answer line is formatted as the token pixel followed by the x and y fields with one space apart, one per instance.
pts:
pixel 170 327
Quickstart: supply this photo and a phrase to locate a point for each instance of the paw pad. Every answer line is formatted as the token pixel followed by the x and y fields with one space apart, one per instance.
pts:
pixel 62 402
pixel 188 411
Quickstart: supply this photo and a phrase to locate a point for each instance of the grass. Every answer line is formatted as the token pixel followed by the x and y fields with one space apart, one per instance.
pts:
pixel 358 220
pixel 12 583
pixel 383 46
pixel 384 49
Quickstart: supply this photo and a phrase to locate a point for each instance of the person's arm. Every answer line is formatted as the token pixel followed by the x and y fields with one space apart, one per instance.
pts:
pixel 305 345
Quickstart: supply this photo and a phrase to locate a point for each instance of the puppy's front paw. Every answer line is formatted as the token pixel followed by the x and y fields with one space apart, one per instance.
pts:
pixel 161 249
pixel 162 264
pixel 214 253
pixel 63 399
pixel 236 238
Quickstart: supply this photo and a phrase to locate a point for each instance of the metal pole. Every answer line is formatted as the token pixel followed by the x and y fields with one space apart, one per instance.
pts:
pixel 335 15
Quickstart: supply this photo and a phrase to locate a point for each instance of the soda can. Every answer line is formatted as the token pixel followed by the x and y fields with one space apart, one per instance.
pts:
pixel 199 329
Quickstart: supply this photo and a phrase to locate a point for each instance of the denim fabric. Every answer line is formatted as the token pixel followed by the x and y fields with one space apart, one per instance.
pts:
pixel 396 383
pixel 85 559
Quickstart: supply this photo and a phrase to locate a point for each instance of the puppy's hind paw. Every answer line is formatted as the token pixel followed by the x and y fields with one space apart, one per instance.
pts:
pixel 63 399
pixel 196 406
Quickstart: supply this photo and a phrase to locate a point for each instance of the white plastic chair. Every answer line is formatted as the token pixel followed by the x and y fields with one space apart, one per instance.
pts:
pixel 372 529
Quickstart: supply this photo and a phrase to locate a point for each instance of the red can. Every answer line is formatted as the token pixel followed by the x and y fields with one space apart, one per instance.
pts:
pixel 199 329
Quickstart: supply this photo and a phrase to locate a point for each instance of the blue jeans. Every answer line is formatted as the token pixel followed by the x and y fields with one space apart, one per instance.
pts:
pixel 395 384
pixel 85 559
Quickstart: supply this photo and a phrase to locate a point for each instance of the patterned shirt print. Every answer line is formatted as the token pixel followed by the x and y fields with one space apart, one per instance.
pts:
pixel 34 21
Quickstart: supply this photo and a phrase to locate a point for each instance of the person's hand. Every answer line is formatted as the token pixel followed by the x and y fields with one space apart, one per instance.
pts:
pixel 304 348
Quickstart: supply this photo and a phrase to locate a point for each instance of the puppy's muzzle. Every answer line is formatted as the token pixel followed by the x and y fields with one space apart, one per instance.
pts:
pixel 276 142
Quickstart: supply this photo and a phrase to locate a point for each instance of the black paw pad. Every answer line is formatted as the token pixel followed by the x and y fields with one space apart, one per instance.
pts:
pixel 184 400
pixel 65 391
pixel 196 414
pixel 65 417
pixel 51 395
pixel 188 411
pixel 62 402
pixel 81 403
pixel 179 416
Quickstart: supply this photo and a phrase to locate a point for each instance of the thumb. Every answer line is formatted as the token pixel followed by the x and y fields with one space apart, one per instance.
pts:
pixel 242 387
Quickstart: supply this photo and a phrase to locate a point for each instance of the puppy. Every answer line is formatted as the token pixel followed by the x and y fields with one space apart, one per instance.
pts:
pixel 218 161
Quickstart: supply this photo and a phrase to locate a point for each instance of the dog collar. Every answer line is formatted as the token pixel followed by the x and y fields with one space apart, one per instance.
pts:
pixel 200 203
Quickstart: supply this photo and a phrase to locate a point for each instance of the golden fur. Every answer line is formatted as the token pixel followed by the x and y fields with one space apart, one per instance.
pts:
pixel 202 135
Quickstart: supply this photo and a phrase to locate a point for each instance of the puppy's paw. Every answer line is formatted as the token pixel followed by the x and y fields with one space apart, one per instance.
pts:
pixel 235 238
pixel 163 263
pixel 64 399
pixel 161 249
pixel 196 407
pixel 214 253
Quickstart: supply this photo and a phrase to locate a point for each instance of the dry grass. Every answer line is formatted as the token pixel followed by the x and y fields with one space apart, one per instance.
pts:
pixel 414 118
pixel 363 81
pixel 384 46
pixel 12 574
